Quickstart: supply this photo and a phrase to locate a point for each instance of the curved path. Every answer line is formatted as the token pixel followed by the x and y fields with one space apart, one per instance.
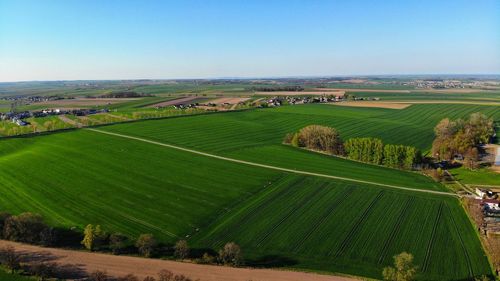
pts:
pixel 268 166
pixel 118 266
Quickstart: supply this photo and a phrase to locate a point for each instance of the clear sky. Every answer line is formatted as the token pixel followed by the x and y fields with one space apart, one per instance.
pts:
pixel 106 39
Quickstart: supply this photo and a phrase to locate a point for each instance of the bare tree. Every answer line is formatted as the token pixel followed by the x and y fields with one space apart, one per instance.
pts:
pixel 231 254
pixel 181 249
pixel 146 244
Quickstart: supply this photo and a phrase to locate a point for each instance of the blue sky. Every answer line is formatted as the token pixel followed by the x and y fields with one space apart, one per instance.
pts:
pixel 68 39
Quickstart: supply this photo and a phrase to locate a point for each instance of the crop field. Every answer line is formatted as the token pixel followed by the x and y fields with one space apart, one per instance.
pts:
pixel 281 219
pixel 257 135
pixel 311 223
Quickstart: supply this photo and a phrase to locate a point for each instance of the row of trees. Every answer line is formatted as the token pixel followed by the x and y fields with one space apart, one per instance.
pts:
pixel 462 137
pixel 369 150
pixel 95 238
pixel 278 89
pixel 372 150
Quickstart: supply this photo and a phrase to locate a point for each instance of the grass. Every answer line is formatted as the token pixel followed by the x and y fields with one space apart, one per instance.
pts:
pixel 314 224
pixel 5 276
pixel 281 220
pixel 482 176
pixel 73 178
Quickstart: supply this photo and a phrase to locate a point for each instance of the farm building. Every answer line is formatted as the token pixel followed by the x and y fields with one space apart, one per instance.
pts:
pixel 487 193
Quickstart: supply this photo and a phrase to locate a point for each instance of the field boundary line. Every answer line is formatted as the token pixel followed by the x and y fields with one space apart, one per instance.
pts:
pixel 300 172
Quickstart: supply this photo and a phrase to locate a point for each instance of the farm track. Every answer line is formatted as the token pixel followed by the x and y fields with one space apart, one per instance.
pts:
pixel 433 236
pixel 300 172
pixel 357 224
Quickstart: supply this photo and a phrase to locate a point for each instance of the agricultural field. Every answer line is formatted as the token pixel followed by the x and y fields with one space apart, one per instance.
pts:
pixel 280 218
pixel 204 200
pixel 311 223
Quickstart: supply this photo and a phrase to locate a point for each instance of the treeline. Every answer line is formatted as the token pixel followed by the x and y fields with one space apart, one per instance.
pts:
pixel 125 94
pixel 368 150
pixel 30 228
pixel 462 137
pixel 278 89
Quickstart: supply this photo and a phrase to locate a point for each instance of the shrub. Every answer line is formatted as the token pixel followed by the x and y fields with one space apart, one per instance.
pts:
pixel 181 249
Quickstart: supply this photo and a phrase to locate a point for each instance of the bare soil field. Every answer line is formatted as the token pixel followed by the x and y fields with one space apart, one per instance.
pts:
pixel 174 102
pixel 405 104
pixel 117 266
pixel 233 100
pixel 87 101
pixel 362 90
pixel 379 104
pixel 336 92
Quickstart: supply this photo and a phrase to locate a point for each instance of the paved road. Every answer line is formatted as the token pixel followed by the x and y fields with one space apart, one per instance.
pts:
pixel 268 166
pixel 118 266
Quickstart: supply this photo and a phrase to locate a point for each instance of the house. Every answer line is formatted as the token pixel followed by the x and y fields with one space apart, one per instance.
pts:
pixel 487 193
pixel 491 204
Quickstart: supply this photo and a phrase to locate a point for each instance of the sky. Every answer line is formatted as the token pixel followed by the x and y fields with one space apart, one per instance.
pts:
pixel 146 39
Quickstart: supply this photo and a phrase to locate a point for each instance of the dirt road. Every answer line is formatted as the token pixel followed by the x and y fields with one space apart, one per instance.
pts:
pixel 268 166
pixel 122 265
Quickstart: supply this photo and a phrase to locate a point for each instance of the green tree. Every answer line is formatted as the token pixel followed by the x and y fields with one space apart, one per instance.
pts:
pixel 89 237
pixel 117 242
pixel 403 270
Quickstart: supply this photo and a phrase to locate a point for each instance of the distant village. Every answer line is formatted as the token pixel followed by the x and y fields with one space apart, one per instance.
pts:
pixel 17 117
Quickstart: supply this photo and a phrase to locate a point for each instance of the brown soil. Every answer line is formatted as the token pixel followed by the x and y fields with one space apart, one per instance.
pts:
pixel 379 104
pixel 85 101
pixel 363 90
pixel 121 265
pixel 320 92
pixel 174 102
pixel 233 100
pixel 72 122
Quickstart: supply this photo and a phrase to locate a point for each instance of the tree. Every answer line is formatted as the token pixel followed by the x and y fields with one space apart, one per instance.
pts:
pixel 117 242
pixel 321 138
pixel 89 237
pixel 3 217
pixel 231 254
pixel 295 140
pixel 471 158
pixel 10 258
pixel 25 227
pixel 100 237
pixel 403 269
pixel 146 244
pixel 181 249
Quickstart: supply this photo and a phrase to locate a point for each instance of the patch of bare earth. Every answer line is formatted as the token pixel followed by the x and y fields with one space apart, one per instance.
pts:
pixel 141 267
pixel 390 105
pixel 174 102
pixel 72 122
pixel 328 92
pixel 229 100
pixel 363 90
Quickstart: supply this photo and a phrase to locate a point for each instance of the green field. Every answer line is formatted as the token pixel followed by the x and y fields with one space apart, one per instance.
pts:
pixel 280 219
